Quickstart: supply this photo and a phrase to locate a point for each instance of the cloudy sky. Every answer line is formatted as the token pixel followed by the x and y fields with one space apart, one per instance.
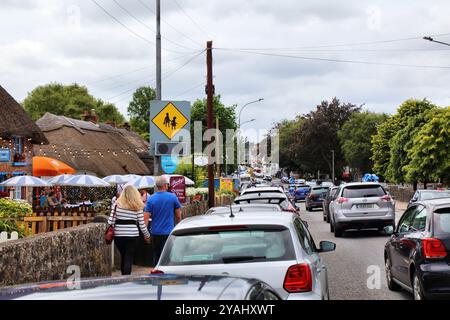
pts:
pixel 276 50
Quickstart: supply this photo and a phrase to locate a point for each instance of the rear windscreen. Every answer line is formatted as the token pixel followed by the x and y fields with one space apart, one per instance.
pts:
pixel 243 246
pixel 363 192
pixel 442 222
pixel 320 191
pixel 434 195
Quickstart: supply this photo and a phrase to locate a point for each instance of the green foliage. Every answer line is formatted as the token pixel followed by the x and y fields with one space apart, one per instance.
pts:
pixel 430 152
pixel 11 212
pixel 356 139
pixel 70 101
pixel 199 173
pixel 139 110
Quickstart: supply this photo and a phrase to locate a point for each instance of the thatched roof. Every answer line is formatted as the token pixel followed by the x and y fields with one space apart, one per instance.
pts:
pixel 63 132
pixel 14 120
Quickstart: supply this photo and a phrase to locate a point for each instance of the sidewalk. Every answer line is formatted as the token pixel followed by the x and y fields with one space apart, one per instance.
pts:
pixel 401 206
pixel 137 271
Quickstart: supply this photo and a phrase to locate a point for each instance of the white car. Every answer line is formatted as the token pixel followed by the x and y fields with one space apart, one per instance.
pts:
pixel 274 247
pixel 258 190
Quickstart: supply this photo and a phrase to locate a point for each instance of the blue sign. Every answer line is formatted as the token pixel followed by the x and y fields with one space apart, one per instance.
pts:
pixel 169 164
pixel 5 155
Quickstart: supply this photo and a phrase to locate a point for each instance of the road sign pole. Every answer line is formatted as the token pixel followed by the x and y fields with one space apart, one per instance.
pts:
pixel 210 101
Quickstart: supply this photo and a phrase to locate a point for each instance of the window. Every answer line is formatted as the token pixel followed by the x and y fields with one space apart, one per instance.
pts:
pixel 241 246
pixel 364 191
pixel 406 221
pixel 442 222
pixel 304 237
pixel 420 220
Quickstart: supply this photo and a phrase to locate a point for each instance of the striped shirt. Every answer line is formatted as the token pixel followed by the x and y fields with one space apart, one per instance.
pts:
pixel 128 230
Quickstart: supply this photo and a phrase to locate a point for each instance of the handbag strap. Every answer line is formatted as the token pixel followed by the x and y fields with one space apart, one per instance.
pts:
pixel 114 215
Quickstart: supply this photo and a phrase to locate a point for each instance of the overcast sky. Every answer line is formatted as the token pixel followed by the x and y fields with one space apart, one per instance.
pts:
pixel 70 41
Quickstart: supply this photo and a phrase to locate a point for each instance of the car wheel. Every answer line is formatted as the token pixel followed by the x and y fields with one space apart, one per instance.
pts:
pixel 392 285
pixel 417 288
pixel 328 219
pixel 325 218
pixel 331 227
pixel 338 231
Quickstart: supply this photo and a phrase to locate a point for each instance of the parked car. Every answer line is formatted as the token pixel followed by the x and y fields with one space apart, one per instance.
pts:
pixel 315 198
pixel 268 178
pixel 257 190
pixel 302 192
pixel 268 198
pixel 418 254
pixel 245 208
pixel 149 287
pixel 330 196
pixel 361 206
pixel 275 248
pixel 423 195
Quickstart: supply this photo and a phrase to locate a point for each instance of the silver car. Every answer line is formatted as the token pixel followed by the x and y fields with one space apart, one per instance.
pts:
pixel 274 247
pixel 361 206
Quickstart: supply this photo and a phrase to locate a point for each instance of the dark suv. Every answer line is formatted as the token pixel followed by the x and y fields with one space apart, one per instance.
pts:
pixel 330 196
pixel 316 197
pixel 418 254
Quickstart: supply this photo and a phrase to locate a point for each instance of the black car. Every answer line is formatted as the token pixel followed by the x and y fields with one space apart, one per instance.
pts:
pixel 330 196
pixel 149 287
pixel 315 198
pixel 423 195
pixel 418 254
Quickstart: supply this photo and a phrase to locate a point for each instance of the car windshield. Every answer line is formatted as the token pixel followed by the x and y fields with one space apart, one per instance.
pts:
pixel 242 246
pixel 363 192
pixel 430 195
pixel 442 222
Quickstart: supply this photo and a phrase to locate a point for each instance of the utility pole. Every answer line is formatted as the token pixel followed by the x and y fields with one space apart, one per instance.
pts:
pixel 210 100
pixel 218 147
pixel 158 51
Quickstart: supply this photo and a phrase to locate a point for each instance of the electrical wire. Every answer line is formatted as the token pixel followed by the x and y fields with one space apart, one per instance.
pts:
pixel 191 89
pixel 148 27
pixel 192 20
pixel 168 24
pixel 337 60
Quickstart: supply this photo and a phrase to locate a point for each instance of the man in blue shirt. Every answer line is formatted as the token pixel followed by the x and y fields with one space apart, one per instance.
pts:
pixel 165 211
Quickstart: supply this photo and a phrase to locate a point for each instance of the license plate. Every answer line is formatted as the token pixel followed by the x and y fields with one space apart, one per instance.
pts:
pixel 365 206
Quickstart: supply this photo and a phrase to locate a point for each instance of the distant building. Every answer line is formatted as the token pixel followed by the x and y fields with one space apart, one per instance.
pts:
pixel 92 148
pixel 18 134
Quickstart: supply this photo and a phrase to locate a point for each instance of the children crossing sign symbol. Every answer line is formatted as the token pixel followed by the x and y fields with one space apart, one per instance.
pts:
pixel 170 121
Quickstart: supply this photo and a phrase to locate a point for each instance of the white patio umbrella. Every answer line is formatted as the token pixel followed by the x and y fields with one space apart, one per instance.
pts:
pixel 87 181
pixel 58 180
pixel 131 177
pixel 142 182
pixel 116 179
pixel 25 181
pixel 188 181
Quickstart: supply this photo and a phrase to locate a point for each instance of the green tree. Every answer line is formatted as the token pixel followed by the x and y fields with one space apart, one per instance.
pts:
pixel 68 100
pixel 381 142
pixel 287 130
pixel 430 152
pixel 355 138
pixel 139 110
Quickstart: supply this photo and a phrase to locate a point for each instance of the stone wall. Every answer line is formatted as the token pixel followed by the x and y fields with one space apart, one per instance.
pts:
pixel 403 194
pixel 47 257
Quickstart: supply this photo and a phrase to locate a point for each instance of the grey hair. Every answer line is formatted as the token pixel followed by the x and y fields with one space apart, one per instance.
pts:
pixel 161 182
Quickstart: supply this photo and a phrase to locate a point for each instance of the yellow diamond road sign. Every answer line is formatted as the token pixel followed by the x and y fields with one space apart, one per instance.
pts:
pixel 170 121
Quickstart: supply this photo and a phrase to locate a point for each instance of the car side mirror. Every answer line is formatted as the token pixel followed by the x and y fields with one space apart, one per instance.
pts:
pixel 327 246
pixel 389 230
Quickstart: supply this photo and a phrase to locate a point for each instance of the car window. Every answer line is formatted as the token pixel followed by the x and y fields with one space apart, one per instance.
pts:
pixel 320 191
pixel 304 237
pixel 442 222
pixel 430 195
pixel 240 246
pixel 363 191
pixel 335 194
pixel 407 220
pixel 420 219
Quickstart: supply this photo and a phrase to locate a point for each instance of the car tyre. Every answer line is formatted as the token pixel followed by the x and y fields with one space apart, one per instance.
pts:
pixel 392 285
pixel 338 231
pixel 417 288
pixel 331 227
pixel 324 218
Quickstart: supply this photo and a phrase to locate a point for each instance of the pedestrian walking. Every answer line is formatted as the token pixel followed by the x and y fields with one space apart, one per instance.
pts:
pixel 165 211
pixel 127 218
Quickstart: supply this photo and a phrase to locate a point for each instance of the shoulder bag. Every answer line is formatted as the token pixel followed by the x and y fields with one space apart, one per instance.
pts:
pixel 109 234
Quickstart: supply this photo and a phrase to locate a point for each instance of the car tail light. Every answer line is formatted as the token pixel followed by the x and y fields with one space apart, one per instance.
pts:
pixel 386 198
pixel 298 279
pixel 342 200
pixel 433 249
pixel 157 272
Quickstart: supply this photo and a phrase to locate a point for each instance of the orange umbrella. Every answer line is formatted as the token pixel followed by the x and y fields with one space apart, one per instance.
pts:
pixel 48 167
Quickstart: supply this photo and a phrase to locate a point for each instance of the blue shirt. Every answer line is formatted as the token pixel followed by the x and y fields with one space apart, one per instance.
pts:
pixel 162 206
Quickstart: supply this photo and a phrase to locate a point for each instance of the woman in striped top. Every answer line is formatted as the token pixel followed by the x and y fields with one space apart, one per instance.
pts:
pixel 126 217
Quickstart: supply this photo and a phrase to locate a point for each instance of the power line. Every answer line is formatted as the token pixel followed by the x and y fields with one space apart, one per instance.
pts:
pixel 337 60
pixel 339 45
pixel 192 20
pixel 147 26
pixel 167 23
pixel 191 89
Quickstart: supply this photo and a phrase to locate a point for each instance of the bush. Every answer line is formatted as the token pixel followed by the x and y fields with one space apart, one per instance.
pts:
pixel 11 212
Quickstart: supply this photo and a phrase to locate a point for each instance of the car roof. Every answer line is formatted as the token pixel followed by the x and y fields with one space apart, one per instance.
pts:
pixel 352 184
pixel 262 195
pixel 281 218
pixel 147 287
pixel 435 191
pixel 246 207
pixel 436 204
pixel 263 189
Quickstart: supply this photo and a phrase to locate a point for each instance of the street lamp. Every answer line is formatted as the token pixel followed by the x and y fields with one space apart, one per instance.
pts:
pixel 240 125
